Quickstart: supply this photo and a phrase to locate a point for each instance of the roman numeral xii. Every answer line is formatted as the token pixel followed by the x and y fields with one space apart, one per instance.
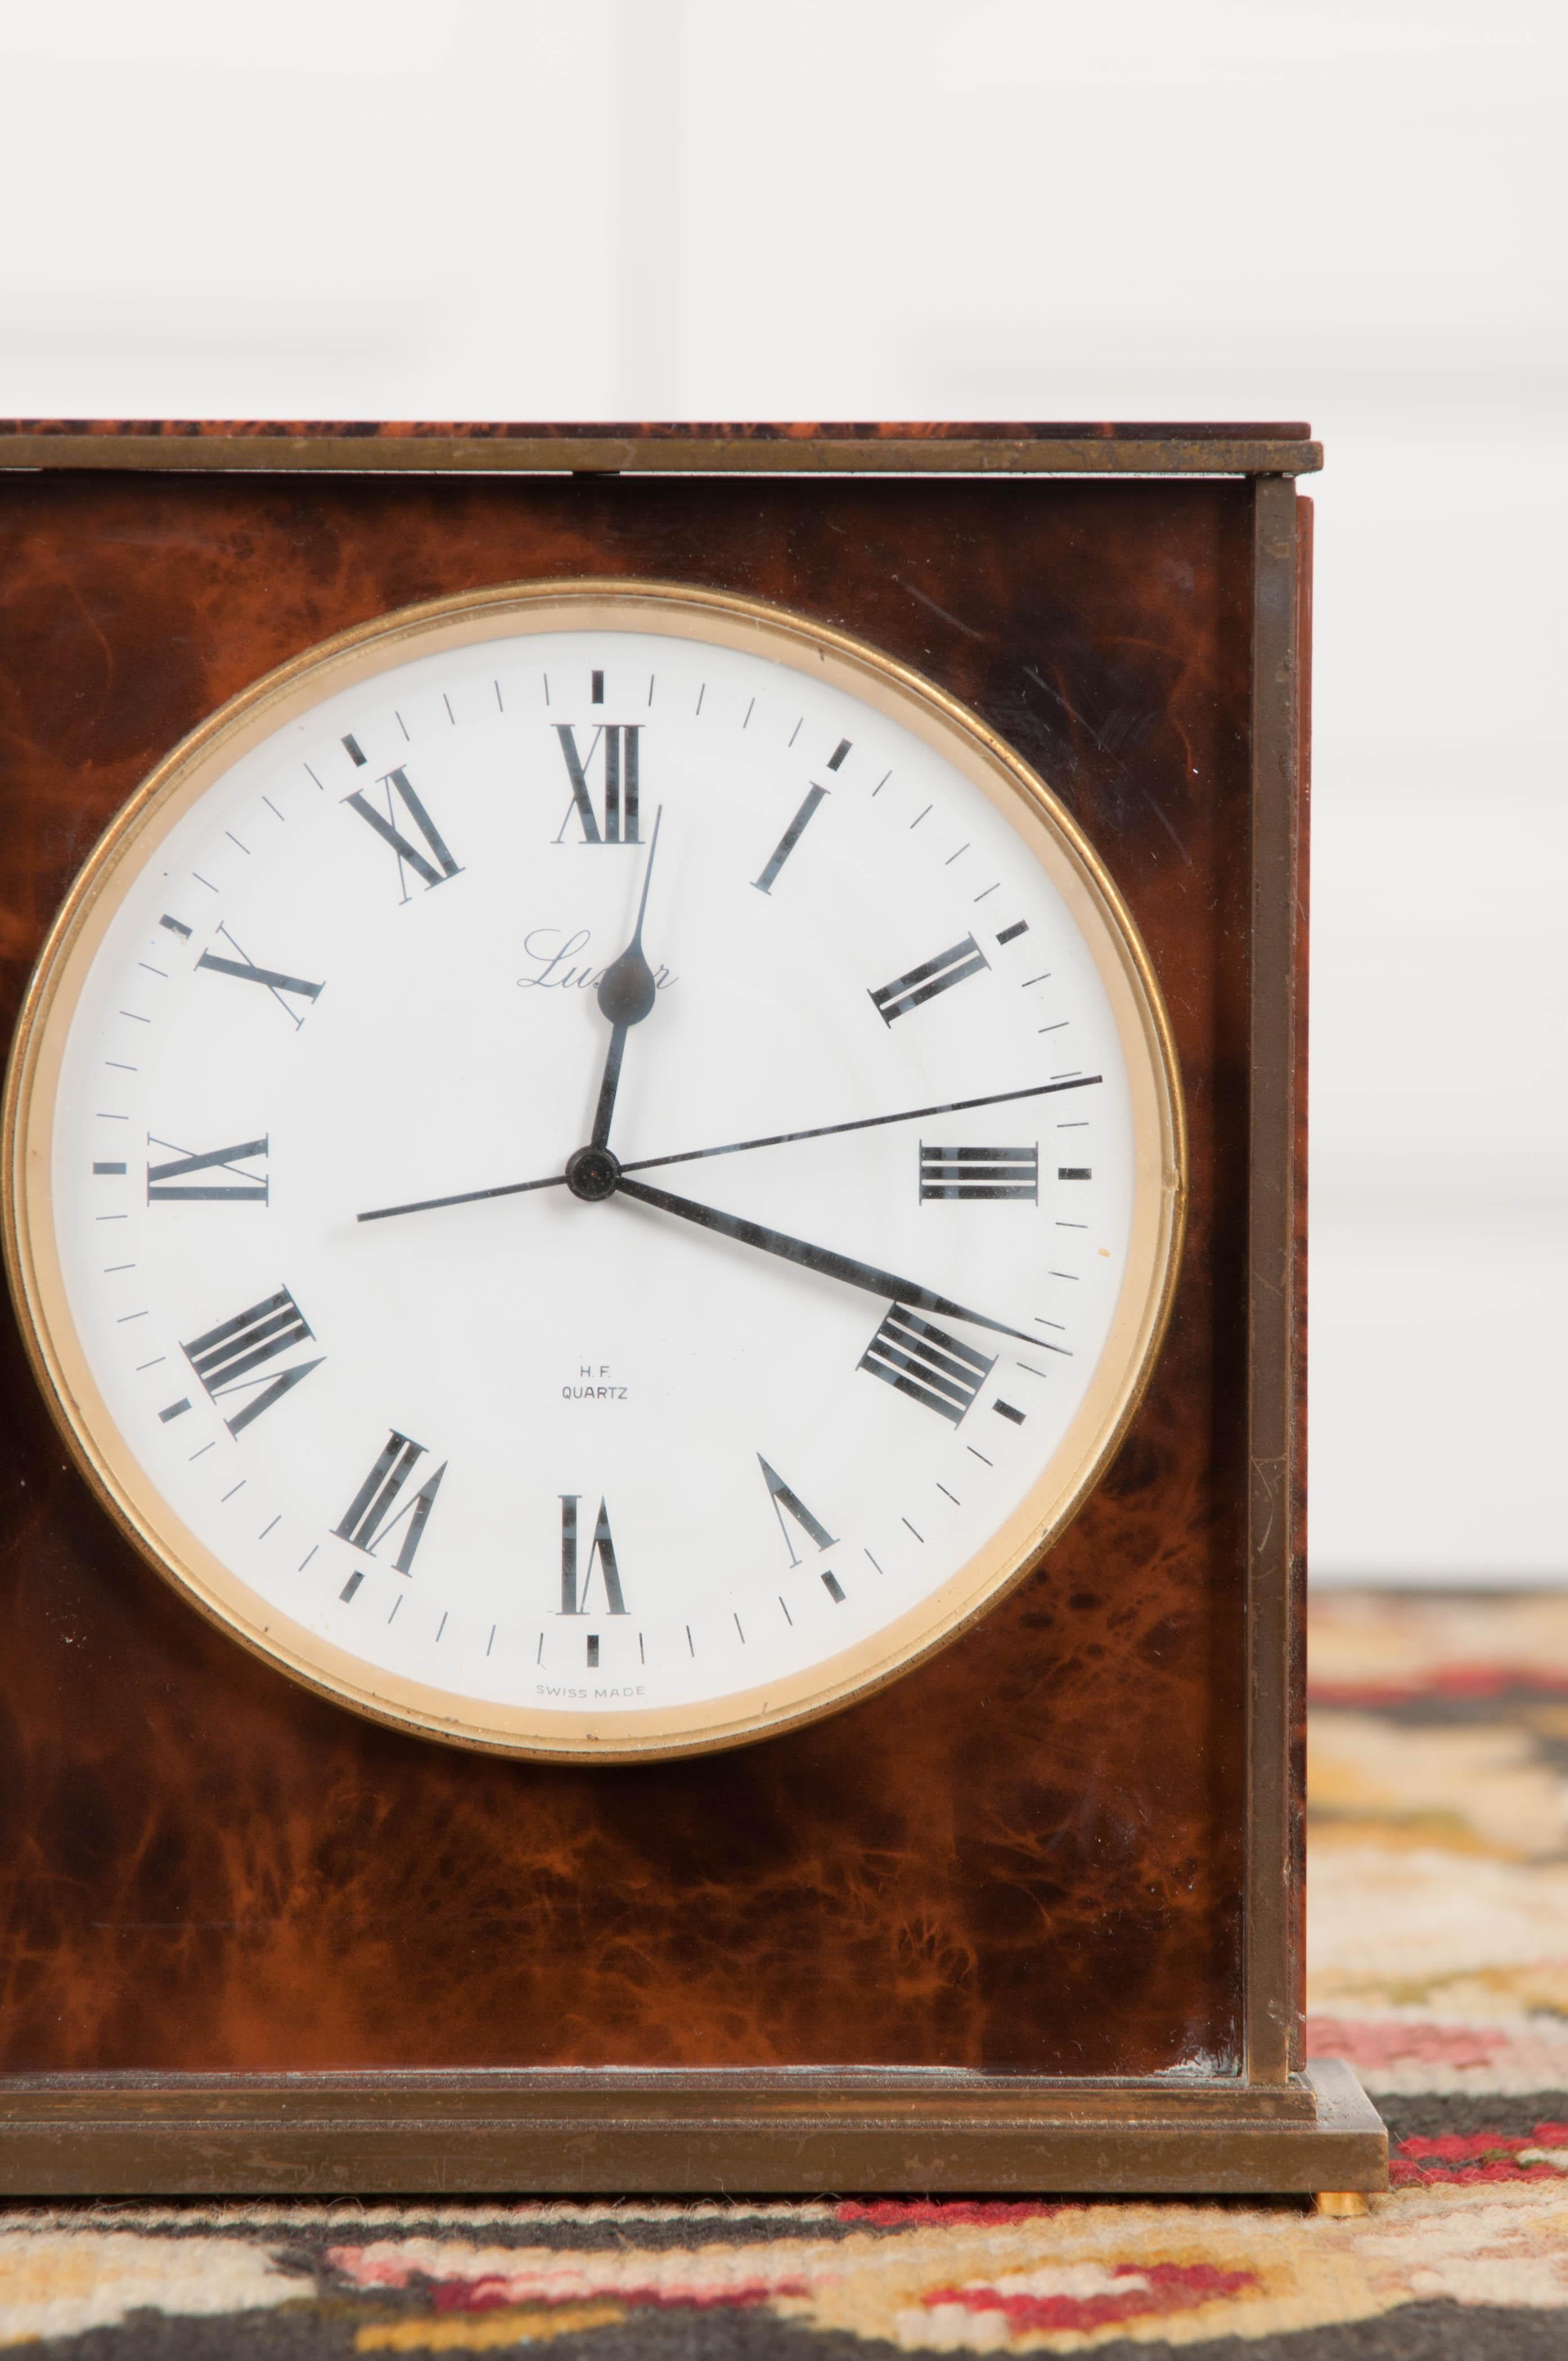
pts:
pixel 613 750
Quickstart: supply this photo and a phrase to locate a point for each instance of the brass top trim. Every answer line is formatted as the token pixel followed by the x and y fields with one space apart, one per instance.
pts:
pixel 351 447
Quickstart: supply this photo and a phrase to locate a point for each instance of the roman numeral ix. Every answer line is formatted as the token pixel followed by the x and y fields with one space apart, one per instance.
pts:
pixel 925 981
pixel 922 1361
pixel 614 744
pixel 434 864
pixel 227 1356
pixel 973 1172
pixel 175 1182
pixel 375 1511
pixel 573 1600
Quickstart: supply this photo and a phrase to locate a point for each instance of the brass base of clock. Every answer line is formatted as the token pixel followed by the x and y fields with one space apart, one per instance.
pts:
pixel 680 2134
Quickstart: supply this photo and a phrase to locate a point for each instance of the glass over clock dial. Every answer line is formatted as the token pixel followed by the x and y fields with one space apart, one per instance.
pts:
pixel 594 1170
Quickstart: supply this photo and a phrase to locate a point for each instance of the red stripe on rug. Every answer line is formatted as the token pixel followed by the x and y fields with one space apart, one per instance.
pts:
pixel 1456 1681
pixel 1396 2041
pixel 1479 2156
pixel 1165 2288
pixel 939 2213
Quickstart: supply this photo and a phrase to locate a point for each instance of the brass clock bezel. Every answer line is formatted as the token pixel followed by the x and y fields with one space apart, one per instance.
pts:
pixel 672 609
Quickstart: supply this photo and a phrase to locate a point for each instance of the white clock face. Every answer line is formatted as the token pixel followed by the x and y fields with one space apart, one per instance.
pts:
pixel 852 1281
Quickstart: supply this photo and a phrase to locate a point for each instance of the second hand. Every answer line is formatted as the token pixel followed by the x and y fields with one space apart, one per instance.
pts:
pixel 865 1123
pixel 738 1147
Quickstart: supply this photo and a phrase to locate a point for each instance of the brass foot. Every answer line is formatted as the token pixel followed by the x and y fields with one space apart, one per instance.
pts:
pixel 1340 2202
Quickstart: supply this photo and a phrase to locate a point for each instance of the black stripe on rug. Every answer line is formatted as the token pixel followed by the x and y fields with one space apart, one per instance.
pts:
pixel 1418 2332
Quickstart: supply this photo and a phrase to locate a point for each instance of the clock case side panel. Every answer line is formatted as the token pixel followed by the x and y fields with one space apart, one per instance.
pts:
pixel 1274 1801
pixel 1276 1286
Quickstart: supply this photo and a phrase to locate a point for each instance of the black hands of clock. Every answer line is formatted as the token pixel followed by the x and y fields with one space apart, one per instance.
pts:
pixel 885 1283
pixel 865 1123
pixel 735 1147
pixel 626 993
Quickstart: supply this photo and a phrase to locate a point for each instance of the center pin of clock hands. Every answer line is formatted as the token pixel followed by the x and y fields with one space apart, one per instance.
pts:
pixel 739 1146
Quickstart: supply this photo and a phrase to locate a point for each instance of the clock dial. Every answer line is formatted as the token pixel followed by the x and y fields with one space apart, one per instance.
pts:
pixel 595 1170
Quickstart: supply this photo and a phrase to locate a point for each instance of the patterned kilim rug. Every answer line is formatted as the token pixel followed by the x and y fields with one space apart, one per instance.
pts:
pixel 1439 1968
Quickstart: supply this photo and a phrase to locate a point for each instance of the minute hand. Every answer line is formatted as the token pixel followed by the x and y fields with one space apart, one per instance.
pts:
pixel 885 1283
pixel 867 1122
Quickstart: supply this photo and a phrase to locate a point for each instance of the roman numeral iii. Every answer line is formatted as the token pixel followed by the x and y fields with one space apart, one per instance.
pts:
pixel 225 1357
pixel 175 1182
pixel 575 1598
pixel 614 749
pixel 434 864
pixel 923 1362
pixel 375 1511
pixel 973 1172
pixel 925 981
pixel 784 1501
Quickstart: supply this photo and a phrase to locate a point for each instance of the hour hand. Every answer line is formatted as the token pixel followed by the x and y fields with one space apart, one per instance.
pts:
pixel 626 993
pixel 832 1265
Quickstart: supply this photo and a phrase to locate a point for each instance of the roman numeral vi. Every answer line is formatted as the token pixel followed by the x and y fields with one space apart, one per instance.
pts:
pixel 573 1600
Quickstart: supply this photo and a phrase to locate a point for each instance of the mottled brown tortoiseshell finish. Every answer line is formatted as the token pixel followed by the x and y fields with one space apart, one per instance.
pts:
pixel 1026 1855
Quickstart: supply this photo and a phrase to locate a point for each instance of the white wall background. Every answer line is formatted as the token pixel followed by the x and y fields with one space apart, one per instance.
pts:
pixel 1026 208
